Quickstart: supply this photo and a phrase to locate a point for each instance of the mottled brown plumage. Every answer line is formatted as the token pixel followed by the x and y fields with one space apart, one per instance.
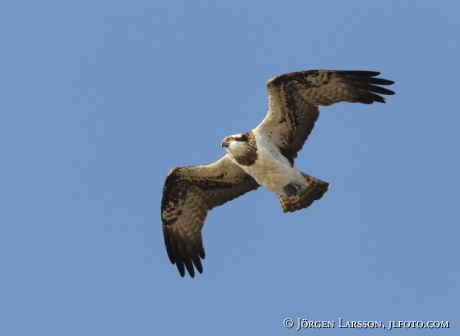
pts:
pixel 188 194
pixel 293 99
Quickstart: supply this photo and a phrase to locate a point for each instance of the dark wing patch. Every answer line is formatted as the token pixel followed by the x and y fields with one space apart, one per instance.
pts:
pixel 293 101
pixel 188 194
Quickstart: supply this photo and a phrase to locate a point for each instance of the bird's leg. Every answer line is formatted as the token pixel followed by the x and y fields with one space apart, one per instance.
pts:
pixel 291 189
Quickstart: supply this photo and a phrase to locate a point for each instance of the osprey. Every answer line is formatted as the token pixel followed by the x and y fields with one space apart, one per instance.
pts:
pixel 263 156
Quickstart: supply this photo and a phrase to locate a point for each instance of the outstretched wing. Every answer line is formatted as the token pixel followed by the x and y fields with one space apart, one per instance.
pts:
pixel 188 194
pixel 293 101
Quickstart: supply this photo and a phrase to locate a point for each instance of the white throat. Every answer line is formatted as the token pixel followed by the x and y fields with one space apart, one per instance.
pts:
pixel 237 148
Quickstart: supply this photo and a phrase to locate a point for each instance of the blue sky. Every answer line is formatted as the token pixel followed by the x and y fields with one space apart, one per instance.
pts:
pixel 99 99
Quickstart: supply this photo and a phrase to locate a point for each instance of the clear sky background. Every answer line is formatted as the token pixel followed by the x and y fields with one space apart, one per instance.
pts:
pixel 99 99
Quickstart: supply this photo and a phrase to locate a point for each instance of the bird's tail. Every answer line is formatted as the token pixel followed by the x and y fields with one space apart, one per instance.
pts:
pixel 310 192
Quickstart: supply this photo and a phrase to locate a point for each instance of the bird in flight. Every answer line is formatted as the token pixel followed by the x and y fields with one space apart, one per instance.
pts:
pixel 263 156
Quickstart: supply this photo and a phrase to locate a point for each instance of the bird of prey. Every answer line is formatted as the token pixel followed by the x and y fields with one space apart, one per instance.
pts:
pixel 263 156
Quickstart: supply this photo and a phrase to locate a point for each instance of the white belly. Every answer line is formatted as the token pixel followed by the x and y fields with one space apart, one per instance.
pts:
pixel 272 170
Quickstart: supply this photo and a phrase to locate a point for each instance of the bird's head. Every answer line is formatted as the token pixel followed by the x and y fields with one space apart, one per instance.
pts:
pixel 236 144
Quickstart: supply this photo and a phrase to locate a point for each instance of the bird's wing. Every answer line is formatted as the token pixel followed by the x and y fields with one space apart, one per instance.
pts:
pixel 188 194
pixel 293 101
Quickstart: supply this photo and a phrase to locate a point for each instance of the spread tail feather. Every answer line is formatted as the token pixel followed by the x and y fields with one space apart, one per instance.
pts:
pixel 306 196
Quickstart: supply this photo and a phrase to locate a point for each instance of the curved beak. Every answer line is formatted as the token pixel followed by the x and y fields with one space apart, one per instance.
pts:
pixel 224 143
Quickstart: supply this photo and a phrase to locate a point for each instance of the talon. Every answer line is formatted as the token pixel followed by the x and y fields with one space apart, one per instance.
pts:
pixel 291 189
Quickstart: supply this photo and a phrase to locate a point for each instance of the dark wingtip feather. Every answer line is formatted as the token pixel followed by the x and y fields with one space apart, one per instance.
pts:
pixel 197 262
pixel 368 86
pixel 180 268
pixel 380 81
pixel 379 89
pixel 190 269
pixel 358 73
pixel 201 252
